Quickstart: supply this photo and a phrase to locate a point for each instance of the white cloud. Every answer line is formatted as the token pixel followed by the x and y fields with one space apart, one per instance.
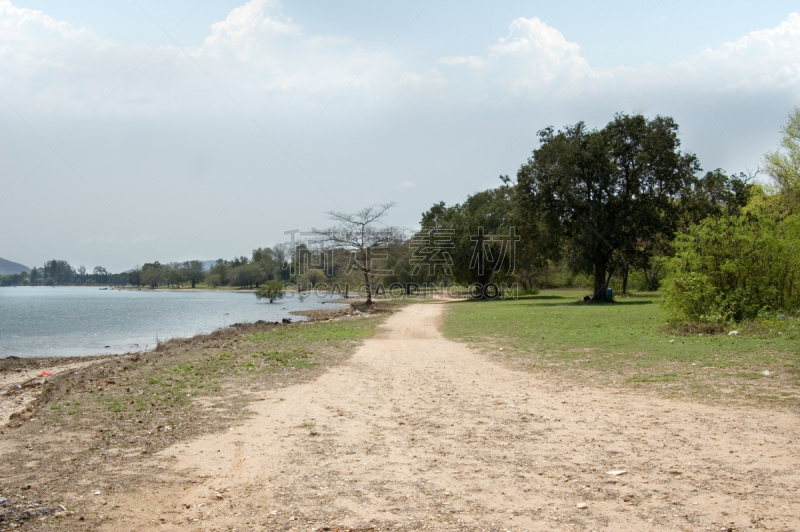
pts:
pixel 406 185
pixel 530 37
pixel 266 61
pixel 250 33
pixel 261 57
pixel 16 25
pixel 259 50
pixel 264 58
pixel 52 64
pixel 766 59
pixel 535 59
pixel 781 42
pixel 537 56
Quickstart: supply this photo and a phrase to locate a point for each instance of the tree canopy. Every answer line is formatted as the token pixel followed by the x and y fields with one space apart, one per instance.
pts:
pixel 471 242
pixel 734 267
pixel 271 290
pixel 603 190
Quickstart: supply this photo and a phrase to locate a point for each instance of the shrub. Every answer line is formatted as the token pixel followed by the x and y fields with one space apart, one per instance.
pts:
pixel 271 290
pixel 690 296
pixel 733 268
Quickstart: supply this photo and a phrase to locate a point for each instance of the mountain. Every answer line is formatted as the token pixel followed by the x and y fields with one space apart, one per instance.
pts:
pixel 10 268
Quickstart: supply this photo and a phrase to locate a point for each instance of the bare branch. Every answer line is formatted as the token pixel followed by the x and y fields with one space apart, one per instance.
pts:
pixel 356 233
pixel 363 217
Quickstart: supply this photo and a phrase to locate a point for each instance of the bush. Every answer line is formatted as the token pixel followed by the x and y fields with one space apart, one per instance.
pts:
pixel 690 296
pixel 271 290
pixel 735 268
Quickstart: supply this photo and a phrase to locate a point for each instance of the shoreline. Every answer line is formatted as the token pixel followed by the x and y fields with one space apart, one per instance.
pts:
pixel 100 338
pixel 102 422
pixel 207 290
pixel 23 383
pixel 58 360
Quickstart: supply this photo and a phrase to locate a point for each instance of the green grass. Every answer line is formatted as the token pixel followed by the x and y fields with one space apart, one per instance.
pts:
pixel 317 333
pixel 298 347
pixel 289 359
pixel 556 331
pixel 174 385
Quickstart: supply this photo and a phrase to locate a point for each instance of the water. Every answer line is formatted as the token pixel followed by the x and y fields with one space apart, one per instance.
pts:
pixel 75 321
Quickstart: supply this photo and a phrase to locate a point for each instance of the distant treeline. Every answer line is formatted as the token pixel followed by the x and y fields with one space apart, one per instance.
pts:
pixel 61 273
pixel 301 265
pixel 240 272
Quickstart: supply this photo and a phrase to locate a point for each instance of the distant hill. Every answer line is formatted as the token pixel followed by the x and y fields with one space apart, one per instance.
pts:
pixel 10 268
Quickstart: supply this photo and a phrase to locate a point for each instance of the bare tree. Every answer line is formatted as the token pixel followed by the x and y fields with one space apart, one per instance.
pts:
pixel 279 253
pixel 363 235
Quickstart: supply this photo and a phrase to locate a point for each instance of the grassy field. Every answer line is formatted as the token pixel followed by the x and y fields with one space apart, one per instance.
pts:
pixel 627 344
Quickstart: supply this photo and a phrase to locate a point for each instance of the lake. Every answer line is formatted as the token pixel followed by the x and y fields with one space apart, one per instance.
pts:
pixel 75 321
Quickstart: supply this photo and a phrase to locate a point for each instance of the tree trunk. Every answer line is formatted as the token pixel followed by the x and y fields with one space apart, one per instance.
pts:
pixel 600 282
pixel 368 288
pixel 484 280
pixel 625 280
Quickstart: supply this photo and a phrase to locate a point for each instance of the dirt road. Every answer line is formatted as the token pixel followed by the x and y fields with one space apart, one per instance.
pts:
pixel 418 432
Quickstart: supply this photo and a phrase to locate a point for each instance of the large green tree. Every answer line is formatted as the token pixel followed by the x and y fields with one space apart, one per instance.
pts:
pixel 100 274
pixel 470 242
pixel 265 257
pixel 220 273
pixel 135 277
pixel 602 190
pixel 174 274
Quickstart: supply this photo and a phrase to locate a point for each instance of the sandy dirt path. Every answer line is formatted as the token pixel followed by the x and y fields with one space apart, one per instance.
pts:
pixel 418 432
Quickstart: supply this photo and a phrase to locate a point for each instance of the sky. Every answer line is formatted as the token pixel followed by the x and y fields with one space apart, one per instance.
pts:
pixel 134 130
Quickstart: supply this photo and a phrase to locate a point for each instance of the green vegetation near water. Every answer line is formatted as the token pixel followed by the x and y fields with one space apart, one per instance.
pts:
pixel 173 381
